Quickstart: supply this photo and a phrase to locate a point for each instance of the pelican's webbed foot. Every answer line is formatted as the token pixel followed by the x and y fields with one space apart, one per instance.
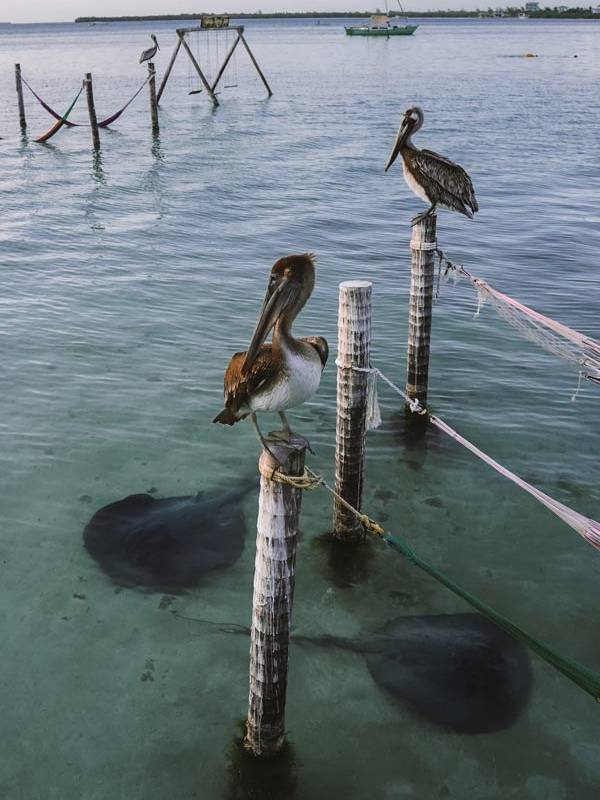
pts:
pixel 420 217
pixel 286 433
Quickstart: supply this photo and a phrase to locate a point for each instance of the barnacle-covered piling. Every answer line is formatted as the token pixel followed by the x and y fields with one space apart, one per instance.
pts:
pixel 353 362
pixel 274 570
pixel 423 246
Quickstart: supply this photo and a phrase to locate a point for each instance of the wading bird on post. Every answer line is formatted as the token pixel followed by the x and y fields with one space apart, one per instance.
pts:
pixel 432 177
pixel 286 373
pixel 149 54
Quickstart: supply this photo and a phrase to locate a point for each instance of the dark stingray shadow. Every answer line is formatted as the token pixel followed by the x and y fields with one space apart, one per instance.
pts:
pixel 168 544
pixel 459 671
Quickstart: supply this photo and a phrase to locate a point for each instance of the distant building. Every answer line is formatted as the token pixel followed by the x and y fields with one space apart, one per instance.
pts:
pixel 596 10
pixel 562 9
pixel 531 7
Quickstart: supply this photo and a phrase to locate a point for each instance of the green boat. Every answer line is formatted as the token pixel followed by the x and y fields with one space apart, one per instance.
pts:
pixel 381 25
pixel 382 30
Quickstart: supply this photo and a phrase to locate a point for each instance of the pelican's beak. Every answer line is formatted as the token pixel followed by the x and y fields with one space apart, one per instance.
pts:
pixel 399 143
pixel 278 298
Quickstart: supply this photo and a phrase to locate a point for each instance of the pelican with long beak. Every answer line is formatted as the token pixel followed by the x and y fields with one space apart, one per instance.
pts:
pixel 149 54
pixel 432 177
pixel 286 373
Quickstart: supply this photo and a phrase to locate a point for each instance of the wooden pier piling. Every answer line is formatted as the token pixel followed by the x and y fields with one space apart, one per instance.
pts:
pixel 19 84
pixel 422 277
pixel 89 91
pixel 354 350
pixel 153 100
pixel 274 571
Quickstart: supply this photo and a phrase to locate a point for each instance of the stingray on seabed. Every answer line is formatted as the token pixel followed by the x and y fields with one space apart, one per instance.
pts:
pixel 168 544
pixel 459 671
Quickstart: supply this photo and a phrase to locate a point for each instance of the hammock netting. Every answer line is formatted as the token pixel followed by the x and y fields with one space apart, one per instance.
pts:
pixel 62 119
pixel 552 336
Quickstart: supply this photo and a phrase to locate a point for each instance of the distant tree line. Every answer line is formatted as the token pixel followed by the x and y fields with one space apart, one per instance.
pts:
pixel 570 13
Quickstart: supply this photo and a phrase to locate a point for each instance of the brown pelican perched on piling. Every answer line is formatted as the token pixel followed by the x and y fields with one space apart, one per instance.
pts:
pixel 432 177
pixel 149 54
pixel 284 374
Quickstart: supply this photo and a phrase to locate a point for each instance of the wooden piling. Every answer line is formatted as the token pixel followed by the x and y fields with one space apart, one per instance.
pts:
pixel 354 350
pixel 422 275
pixel 274 570
pixel 19 83
pixel 89 90
pixel 153 100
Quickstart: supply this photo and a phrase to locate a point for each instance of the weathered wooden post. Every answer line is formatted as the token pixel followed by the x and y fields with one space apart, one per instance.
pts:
pixel 153 100
pixel 19 82
pixel 354 350
pixel 89 90
pixel 423 246
pixel 274 570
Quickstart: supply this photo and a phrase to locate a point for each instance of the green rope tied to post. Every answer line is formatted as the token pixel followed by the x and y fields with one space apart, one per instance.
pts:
pixel 585 678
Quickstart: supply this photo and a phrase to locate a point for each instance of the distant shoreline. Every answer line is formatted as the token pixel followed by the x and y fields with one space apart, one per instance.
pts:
pixel 571 13
pixel 277 15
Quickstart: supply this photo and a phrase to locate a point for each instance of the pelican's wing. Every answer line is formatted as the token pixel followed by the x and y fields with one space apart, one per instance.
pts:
pixel 239 387
pixel 450 177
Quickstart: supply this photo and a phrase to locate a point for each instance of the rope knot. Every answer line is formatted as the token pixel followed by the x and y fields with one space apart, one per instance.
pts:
pixel 370 525
pixel 307 481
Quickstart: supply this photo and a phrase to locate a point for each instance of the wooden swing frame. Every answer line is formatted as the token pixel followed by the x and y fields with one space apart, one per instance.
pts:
pixel 210 89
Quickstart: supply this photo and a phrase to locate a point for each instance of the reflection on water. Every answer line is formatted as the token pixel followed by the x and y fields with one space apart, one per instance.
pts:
pixel 129 279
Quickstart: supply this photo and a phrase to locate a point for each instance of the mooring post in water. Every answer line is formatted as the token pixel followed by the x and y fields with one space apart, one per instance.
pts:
pixel 153 100
pixel 274 569
pixel 353 363
pixel 423 245
pixel 89 91
pixel 19 82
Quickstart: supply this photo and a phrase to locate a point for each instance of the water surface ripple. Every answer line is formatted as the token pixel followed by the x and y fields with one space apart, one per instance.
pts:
pixel 130 279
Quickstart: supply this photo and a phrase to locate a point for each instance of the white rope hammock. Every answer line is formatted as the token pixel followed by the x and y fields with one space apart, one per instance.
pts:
pixel 553 336
pixel 586 527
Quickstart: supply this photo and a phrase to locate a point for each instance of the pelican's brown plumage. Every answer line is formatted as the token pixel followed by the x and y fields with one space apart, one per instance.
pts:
pixel 281 375
pixel 432 177
pixel 149 54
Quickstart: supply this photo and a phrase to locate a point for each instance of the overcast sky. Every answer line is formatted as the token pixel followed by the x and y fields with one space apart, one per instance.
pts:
pixel 67 10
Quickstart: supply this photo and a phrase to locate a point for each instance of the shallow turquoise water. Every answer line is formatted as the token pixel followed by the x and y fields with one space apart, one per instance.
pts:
pixel 128 282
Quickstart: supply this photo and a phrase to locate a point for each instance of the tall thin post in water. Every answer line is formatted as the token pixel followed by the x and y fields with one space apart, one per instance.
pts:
pixel 89 91
pixel 153 100
pixel 274 570
pixel 19 83
pixel 423 246
pixel 354 354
